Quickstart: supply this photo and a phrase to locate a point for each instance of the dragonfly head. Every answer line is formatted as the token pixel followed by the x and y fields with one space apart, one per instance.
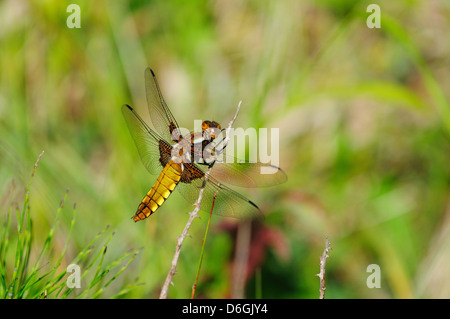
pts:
pixel 210 128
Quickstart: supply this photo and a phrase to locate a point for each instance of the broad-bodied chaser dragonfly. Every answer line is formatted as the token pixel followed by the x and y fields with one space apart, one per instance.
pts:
pixel 156 149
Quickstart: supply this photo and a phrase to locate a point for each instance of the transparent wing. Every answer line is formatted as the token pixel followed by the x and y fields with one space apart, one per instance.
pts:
pixel 230 171
pixel 162 119
pixel 228 202
pixel 151 147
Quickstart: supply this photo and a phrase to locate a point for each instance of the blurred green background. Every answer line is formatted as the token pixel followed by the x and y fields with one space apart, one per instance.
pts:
pixel 364 123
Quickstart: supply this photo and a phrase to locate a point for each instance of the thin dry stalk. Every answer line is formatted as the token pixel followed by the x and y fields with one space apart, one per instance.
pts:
pixel 194 287
pixel 321 274
pixel 192 216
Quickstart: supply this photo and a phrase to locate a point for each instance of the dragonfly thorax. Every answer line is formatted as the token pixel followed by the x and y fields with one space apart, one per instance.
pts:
pixel 197 147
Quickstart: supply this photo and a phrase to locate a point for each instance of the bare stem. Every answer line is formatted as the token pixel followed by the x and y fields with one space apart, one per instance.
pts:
pixel 227 134
pixel 321 274
pixel 203 248
pixel 192 215
pixel 180 239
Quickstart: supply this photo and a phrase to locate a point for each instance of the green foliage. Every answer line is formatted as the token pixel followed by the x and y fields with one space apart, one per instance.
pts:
pixel 22 276
pixel 364 121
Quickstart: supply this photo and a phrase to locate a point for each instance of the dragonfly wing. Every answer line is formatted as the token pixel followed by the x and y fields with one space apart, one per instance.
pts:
pixel 233 171
pixel 248 174
pixel 162 119
pixel 228 202
pixel 151 147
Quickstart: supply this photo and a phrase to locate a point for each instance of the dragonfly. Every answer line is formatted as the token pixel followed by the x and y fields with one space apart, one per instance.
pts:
pixel 156 148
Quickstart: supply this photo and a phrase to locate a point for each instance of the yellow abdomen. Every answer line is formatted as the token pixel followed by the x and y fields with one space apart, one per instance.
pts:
pixel 164 186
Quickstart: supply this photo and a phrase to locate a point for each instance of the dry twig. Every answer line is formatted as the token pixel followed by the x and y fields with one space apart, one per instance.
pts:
pixel 192 216
pixel 321 274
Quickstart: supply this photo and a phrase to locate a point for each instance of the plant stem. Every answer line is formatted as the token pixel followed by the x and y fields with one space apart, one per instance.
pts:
pixel 203 248
pixel 192 216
